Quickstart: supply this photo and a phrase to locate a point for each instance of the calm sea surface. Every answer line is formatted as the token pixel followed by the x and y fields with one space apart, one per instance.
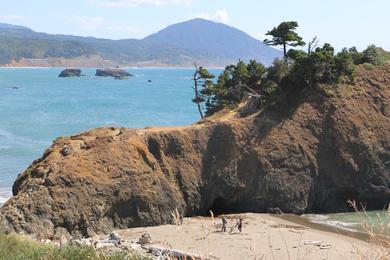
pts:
pixel 36 107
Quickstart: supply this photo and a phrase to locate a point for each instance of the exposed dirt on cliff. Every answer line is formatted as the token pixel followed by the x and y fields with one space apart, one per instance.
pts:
pixel 306 154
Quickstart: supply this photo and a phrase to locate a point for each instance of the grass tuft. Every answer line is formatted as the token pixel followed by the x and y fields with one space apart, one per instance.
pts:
pixel 378 235
pixel 17 247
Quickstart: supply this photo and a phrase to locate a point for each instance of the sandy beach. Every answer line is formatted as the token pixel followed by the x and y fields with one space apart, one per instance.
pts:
pixel 263 237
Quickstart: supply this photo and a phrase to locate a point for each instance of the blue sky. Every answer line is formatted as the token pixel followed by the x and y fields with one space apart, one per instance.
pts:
pixel 342 22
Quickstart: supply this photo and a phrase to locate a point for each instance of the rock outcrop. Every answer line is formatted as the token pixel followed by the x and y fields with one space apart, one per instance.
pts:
pixel 308 154
pixel 115 73
pixel 70 73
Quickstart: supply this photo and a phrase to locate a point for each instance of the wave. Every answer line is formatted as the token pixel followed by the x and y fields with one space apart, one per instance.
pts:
pixel 326 220
pixel 6 134
pixel 5 194
pixel 18 140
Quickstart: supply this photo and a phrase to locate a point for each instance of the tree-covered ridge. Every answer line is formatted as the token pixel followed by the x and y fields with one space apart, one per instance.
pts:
pixel 14 49
pixel 179 44
pixel 298 70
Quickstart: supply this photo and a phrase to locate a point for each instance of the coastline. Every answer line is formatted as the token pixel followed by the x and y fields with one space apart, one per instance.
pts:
pixel 263 235
pixel 324 227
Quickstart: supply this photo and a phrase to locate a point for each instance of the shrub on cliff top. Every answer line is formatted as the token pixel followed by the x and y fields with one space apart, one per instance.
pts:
pixel 373 55
pixel 298 70
pixel 232 84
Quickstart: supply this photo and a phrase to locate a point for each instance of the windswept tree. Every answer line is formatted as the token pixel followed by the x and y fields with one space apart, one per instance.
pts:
pixel 285 35
pixel 202 80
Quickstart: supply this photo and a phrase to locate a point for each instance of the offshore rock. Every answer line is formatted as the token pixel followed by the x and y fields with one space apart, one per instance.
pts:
pixel 115 73
pixel 70 73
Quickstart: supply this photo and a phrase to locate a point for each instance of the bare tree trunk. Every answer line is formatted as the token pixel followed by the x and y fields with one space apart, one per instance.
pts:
pixel 311 46
pixel 285 51
pixel 197 91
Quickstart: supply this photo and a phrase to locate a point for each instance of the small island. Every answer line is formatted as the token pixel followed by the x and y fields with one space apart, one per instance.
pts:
pixel 67 73
pixel 115 73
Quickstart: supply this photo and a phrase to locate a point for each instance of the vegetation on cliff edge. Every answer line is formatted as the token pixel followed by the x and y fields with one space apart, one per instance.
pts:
pixel 297 71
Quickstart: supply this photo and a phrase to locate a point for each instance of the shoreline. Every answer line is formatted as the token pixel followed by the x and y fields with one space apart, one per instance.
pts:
pixel 296 219
pixel 323 227
pixel 264 236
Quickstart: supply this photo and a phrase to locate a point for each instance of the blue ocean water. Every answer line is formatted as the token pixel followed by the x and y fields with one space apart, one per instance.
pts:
pixel 36 107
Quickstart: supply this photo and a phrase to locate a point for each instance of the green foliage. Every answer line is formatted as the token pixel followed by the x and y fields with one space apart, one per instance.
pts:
pixel 17 247
pixel 384 53
pixel 368 66
pixel 232 84
pixel 320 66
pixel 299 70
pixel 357 57
pixel 202 80
pixel 40 49
pixel 285 35
pixel 373 55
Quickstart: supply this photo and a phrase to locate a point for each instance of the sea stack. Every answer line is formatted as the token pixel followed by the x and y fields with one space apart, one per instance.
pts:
pixel 70 73
pixel 115 73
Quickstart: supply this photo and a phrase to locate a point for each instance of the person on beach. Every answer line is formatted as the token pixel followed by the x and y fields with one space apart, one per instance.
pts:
pixel 224 223
pixel 240 224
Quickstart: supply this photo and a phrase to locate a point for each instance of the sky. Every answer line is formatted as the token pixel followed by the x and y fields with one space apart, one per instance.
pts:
pixel 339 22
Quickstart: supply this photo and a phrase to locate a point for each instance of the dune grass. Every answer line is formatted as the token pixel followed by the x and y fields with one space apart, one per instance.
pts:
pixel 19 247
pixel 378 235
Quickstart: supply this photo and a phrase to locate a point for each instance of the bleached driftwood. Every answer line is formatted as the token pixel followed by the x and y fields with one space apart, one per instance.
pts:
pixel 174 254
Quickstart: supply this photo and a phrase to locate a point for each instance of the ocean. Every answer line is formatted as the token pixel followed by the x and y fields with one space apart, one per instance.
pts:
pixel 355 222
pixel 36 107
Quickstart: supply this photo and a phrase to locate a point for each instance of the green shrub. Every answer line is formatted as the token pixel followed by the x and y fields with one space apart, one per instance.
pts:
pixel 321 66
pixel 232 84
pixel 373 55
pixel 298 71
pixel 368 66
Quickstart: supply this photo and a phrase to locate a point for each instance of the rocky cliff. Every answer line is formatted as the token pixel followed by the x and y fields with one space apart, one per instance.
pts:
pixel 306 154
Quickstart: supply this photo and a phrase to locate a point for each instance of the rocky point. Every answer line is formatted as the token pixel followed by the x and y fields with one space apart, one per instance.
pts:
pixel 305 154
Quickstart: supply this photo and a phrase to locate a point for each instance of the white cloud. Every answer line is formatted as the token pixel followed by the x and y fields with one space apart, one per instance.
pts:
pixel 83 22
pixel 89 23
pixel 11 17
pixel 135 3
pixel 219 16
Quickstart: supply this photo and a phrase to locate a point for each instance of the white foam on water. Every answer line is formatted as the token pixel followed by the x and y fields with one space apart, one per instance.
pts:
pixel 324 220
pixel 6 134
pixel 317 218
pixel 5 194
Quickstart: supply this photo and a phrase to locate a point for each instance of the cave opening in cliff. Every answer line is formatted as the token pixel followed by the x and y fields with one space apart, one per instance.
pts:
pixel 220 206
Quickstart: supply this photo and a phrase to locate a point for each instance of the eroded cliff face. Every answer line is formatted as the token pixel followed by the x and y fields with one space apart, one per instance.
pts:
pixel 311 155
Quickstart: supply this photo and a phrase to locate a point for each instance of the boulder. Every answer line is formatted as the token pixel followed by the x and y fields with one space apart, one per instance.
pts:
pixel 115 73
pixel 70 73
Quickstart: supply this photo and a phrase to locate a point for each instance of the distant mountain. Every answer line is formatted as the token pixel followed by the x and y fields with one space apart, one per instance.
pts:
pixel 216 41
pixel 207 42
pixel 11 26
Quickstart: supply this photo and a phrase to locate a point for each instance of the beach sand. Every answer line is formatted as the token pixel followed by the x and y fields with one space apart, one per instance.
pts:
pixel 263 237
